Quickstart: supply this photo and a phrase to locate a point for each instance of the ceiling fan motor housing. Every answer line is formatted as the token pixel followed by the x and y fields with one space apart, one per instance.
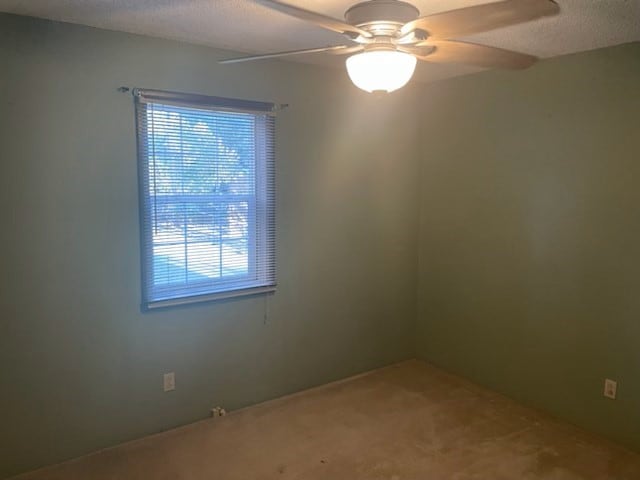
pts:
pixel 374 12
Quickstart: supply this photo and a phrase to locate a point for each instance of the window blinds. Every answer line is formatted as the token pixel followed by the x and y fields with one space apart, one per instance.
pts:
pixel 206 171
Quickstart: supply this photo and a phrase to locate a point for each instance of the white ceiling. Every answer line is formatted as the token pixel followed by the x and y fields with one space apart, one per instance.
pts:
pixel 244 26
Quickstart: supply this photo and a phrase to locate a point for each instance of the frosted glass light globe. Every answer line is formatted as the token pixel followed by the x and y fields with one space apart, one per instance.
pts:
pixel 386 70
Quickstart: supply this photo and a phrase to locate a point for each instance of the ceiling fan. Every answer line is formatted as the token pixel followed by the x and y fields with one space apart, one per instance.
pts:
pixel 387 37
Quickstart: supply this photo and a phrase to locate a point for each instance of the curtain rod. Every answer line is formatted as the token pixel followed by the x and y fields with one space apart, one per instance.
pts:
pixel 123 89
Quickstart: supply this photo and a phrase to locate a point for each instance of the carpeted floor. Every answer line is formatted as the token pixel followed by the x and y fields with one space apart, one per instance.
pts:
pixel 409 421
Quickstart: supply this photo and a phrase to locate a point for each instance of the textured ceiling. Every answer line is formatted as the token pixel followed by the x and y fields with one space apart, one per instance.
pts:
pixel 244 26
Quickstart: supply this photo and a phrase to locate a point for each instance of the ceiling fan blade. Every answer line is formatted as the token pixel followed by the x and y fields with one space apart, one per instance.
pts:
pixel 473 54
pixel 323 21
pixel 481 18
pixel 332 49
pixel 347 50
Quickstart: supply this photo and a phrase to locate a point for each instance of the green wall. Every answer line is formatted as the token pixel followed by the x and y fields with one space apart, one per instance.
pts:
pixel 530 235
pixel 81 365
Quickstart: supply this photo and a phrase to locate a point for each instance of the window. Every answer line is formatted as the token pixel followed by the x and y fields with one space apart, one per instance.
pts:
pixel 206 171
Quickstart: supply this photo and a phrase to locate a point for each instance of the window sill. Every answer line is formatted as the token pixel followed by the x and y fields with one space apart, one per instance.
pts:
pixel 209 297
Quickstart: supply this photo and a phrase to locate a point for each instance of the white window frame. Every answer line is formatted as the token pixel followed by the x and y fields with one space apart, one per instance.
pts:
pixel 261 248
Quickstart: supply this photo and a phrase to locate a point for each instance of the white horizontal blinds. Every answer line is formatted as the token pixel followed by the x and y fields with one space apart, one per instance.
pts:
pixel 265 197
pixel 207 191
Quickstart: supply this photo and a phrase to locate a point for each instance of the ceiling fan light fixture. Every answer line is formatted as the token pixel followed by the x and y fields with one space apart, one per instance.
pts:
pixel 381 70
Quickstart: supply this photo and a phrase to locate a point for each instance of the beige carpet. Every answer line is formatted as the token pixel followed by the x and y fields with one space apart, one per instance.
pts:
pixel 408 421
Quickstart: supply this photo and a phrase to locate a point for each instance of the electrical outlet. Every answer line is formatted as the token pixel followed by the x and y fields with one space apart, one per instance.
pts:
pixel 610 388
pixel 169 381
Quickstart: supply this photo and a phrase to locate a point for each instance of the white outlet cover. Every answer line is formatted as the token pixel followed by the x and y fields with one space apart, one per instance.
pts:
pixel 610 388
pixel 169 381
